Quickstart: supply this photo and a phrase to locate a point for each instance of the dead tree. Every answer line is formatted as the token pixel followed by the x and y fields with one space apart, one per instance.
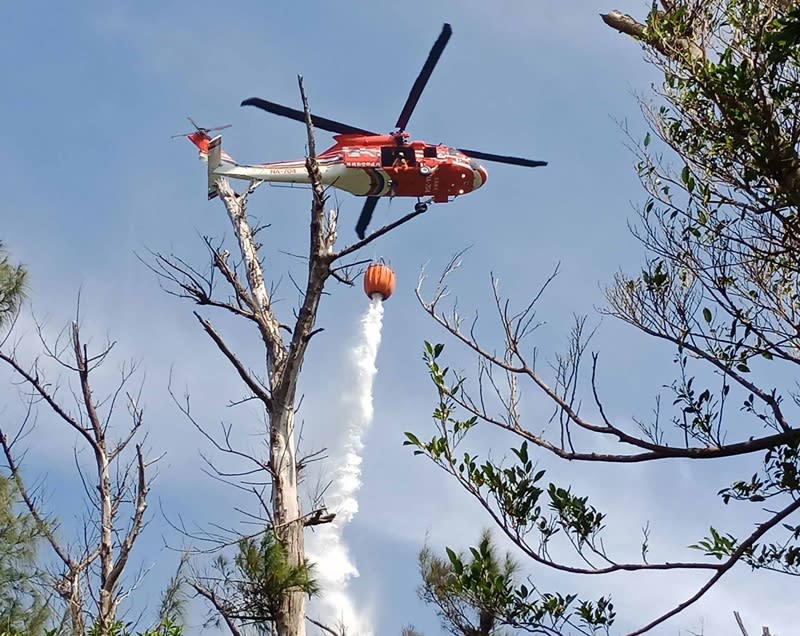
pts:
pixel 285 347
pixel 88 572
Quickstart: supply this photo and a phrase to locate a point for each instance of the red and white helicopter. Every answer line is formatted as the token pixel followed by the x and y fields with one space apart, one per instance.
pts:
pixel 366 163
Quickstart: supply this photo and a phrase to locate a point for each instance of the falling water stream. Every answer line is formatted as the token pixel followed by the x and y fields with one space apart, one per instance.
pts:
pixel 334 566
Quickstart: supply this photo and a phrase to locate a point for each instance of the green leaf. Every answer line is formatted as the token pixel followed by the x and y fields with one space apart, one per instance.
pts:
pixel 412 440
pixel 706 314
pixel 455 561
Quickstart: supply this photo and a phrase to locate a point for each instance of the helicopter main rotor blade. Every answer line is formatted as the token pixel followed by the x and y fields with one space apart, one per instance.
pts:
pixel 366 216
pixel 322 123
pixel 514 161
pixel 424 76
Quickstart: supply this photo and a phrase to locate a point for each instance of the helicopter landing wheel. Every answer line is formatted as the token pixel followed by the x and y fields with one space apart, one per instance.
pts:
pixel 421 207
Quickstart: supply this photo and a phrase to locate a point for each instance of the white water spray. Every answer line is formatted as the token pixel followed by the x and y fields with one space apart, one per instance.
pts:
pixel 334 568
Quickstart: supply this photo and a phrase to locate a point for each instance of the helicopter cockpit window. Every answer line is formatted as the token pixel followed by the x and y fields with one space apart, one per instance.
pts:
pixel 397 155
pixel 429 151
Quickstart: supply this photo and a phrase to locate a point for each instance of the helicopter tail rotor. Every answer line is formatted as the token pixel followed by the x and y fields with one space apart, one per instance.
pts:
pixel 210 151
pixel 200 129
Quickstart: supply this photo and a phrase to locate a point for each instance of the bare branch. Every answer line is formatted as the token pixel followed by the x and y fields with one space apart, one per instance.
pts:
pixel 34 381
pixel 723 568
pixel 323 627
pixel 212 598
pixel 244 374
pixel 41 523
pixel 268 323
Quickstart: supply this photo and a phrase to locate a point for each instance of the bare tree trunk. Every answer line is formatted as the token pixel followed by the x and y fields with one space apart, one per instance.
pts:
pixel 287 515
pixel 106 613
pixel 72 594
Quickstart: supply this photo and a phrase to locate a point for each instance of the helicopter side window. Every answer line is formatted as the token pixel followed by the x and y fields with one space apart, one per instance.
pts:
pixel 394 156
pixel 429 151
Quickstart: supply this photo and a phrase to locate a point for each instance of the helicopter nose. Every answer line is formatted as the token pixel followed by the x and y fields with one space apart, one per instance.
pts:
pixel 479 176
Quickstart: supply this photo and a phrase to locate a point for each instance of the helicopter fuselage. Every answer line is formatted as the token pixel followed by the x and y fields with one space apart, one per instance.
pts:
pixel 370 165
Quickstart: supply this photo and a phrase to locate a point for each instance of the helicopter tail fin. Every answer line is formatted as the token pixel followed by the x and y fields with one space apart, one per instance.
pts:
pixel 214 161
pixel 210 151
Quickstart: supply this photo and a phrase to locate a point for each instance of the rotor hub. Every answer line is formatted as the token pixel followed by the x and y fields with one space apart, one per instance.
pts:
pixel 401 137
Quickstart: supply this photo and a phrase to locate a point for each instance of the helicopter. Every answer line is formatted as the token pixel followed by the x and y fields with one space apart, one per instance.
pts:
pixel 366 163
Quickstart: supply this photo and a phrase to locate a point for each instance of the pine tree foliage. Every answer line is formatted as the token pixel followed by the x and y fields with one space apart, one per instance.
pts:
pixel 23 603
pixel 12 285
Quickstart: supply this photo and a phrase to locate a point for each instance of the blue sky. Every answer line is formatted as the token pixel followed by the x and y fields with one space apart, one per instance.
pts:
pixel 91 178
